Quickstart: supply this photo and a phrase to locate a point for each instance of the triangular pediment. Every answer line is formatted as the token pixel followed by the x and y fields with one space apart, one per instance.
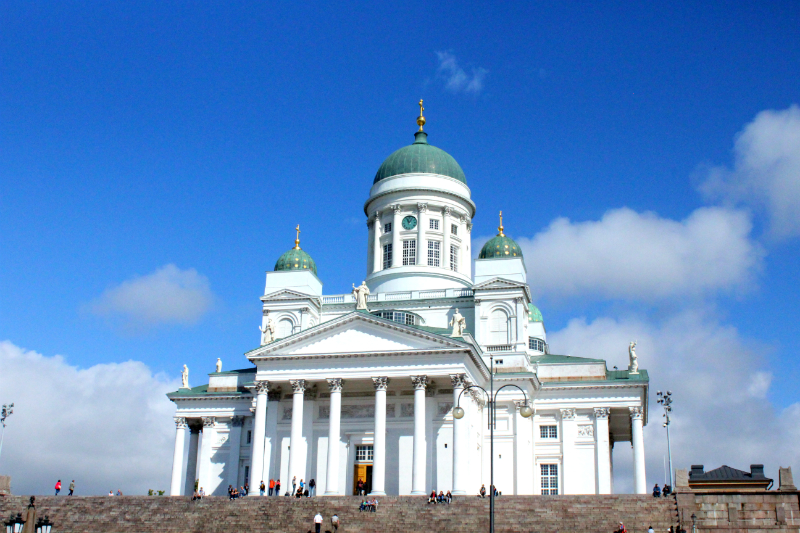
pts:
pixel 499 283
pixel 285 294
pixel 358 333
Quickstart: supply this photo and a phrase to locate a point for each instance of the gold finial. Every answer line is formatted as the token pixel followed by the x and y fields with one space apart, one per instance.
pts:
pixel 500 229
pixel 297 240
pixel 421 119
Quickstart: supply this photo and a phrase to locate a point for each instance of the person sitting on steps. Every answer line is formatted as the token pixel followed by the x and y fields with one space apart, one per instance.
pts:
pixel 448 497
pixel 656 491
pixel 482 493
pixel 432 497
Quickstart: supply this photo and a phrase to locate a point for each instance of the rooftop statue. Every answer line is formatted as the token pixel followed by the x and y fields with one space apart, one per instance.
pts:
pixel 219 365
pixel 459 324
pixel 268 331
pixel 185 377
pixel 633 367
pixel 360 293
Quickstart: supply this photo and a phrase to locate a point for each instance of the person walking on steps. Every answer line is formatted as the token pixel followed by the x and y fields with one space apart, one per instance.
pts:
pixel 71 488
pixel 311 486
pixel 271 486
pixel 294 484
pixel 58 487
pixel 318 522
pixel 335 523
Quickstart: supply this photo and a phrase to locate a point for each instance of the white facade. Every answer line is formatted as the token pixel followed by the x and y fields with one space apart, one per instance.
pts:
pixel 344 393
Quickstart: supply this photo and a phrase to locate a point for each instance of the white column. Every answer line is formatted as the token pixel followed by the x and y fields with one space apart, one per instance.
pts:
pixel 419 468
pixel 334 420
pixel 522 316
pixel 209 435
pixel 296 447
pixel 191 463
pixel 637 440
pixel 602 451
pixel 446 237
pixel 570 472
pixel 422 244
pixel 466 248
pixel 177 456
pixel 460 436
pixel 377 259
pixel 257 438
pixel 379 443
pixel 235 442
pixel 397 246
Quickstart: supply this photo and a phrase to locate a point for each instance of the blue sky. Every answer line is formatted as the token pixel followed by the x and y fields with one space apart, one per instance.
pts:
pixel 142 135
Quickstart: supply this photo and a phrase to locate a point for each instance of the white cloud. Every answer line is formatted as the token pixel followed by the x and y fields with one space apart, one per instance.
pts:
pixel 456 78
pixel 108 426
pixel 766 170
pixel 167 296
pixel 641 256
pixel 720 416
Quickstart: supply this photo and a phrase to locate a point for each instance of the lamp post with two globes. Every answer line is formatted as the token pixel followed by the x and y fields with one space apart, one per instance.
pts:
pixel 665 399
pixel 525 411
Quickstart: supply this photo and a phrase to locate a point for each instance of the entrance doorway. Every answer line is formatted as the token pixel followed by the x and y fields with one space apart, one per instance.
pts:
pixel 362 469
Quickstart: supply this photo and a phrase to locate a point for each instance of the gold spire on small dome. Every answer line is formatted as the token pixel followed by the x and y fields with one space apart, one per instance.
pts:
pixel 500 228
pixel 421 119
pixel 297 240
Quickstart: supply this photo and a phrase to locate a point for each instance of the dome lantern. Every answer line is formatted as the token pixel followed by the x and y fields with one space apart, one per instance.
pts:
pixel 500 246
pixel 296 258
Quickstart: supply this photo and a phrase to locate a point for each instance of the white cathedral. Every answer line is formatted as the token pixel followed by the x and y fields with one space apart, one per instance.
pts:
pixel 365 385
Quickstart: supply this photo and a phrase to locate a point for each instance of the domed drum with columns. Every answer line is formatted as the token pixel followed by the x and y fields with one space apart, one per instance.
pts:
pixel 339 395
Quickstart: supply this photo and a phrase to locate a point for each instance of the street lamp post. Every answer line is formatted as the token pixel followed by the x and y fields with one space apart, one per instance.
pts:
pixel 458 412
pixel 665 399
pixel 5 413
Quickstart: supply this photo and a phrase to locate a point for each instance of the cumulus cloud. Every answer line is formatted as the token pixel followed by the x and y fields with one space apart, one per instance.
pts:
pixel 455 78
pixel 108 426
pixel 641 256
pixel 167 296
pixel 719 385
pixel 766 170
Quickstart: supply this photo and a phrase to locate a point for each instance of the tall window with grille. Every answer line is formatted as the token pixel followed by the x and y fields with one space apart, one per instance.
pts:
pixel 364 454
pixel 387 228
pixel 548 432
pixel 409 252
pixel 434 252
pixel 387 255
pixel 454 258
pixel 434 224
pixel 453 229
pixel 549 479
pixel 536 344
pixel 498 327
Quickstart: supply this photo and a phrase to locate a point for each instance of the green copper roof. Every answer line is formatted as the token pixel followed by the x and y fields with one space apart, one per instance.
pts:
pixel 500 247
pixel 296 259
pixel 420 158
pixel 534 315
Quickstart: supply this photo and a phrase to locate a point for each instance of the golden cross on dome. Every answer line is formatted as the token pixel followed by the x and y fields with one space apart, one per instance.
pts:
pixel 500 229
pixel 421 119
pixel 297 240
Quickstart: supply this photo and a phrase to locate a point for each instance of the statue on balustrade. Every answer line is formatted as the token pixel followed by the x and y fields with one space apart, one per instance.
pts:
pixel 185 377
pixel 633 368
pixel 360 294
pixel 268 331
pixel 458 323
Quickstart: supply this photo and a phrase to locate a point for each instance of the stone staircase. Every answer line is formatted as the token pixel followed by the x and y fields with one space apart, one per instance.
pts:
pixel 163 514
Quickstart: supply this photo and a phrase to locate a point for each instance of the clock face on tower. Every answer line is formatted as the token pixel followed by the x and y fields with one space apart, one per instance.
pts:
pixel 409 222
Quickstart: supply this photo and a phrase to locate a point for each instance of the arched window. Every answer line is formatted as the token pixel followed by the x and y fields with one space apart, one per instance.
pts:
pixel 498 327
pixel 284 328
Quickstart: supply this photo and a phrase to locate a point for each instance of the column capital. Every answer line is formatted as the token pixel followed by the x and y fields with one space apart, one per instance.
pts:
pixel 459 381
pixel 469 227
pixel 396 208
pixel 380 383
pixel 447 211
pixel 298 385
pixel 237 421
pixel 209 421
pixel 335 384
pixel 420 382
pixel 422 208
pixel 377 216
pixel 637 413
pixel 261 386
pixel 601 413
pixel 180 422
pixel 568 414
pixel 462 219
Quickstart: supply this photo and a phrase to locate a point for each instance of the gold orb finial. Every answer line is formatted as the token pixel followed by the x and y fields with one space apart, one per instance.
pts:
pixel 421 119
pixel 500 228
pixel 297 240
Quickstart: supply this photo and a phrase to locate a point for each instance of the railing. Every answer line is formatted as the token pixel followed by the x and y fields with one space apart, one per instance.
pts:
pixel 336 299
pixel 499 348
pixel 398 295
pixel 404 295
pixel 461 293
pixel 433 294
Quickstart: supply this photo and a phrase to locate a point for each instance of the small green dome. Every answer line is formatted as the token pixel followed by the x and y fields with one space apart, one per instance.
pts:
pixel 500 247
pixel 296 259
pixel 420 158
pixel 534 315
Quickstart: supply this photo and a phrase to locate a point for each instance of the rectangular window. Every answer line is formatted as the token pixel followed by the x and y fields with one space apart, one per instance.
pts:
pixel 387 228
pixel 434 224
pixel 409 252
pixel 549 479
pixel 433 253
pixel 387 255
pixel 454 258
pixel 453 229
pixel 247 474
pixel 364 454
pixel 536 344
pixel 548 432
pixel 249 436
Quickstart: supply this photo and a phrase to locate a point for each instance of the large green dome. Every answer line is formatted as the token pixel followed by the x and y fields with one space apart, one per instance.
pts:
pixel 420 158
pixel 296 259
pixel 500 247
pixel 534 315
